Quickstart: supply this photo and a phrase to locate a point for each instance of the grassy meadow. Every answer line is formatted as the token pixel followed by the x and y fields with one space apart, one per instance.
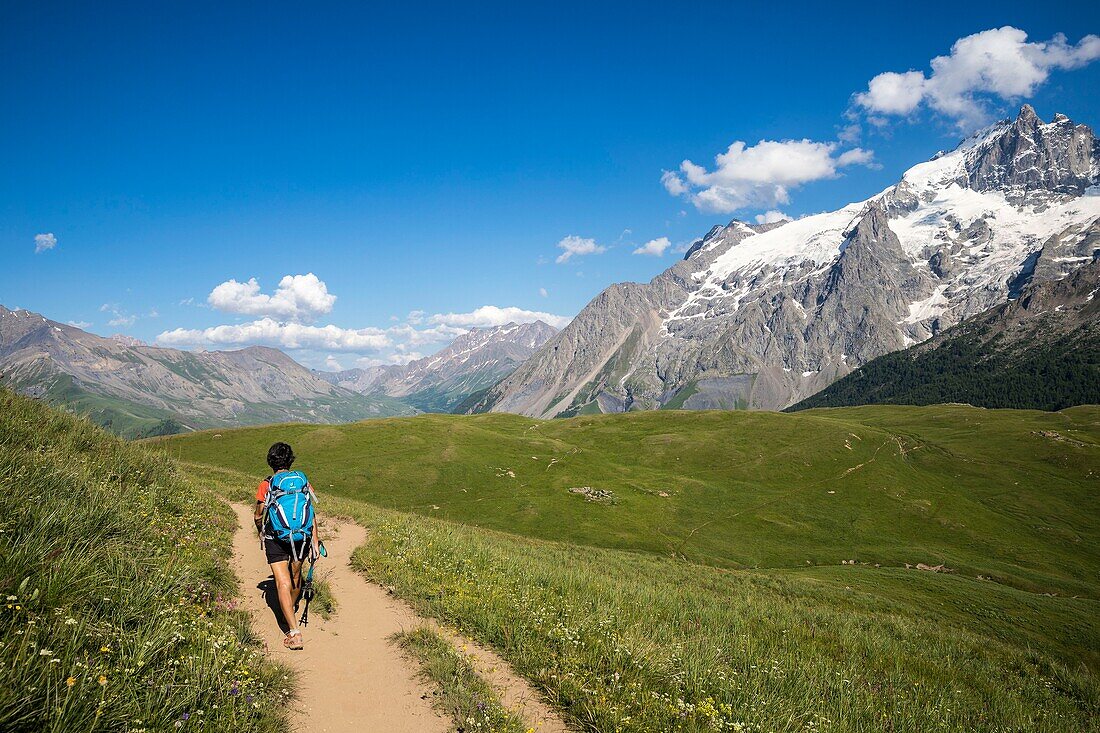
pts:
pixel 118 610
pixel 1009 495
pixel 748 570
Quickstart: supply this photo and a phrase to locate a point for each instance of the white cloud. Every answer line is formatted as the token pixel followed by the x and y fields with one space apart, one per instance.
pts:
pixel 999 63
pixel 856 156
pixel 120 318
pixel 333 363
pixel 415 317
pixel 759 175
pixel 654 247
pixel 299 298
pixel 405 357
pixel 80 324
pixel 44 242
pixel 771 217
pixel 543 293
pixel 420 336
pixel 579 246
pixel 270 332
pixel 491 315
pixel 850 133
pixel 673 183
pixel 893 93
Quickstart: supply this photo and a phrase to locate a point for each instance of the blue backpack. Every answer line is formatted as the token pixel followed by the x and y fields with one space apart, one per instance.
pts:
pixel 289 510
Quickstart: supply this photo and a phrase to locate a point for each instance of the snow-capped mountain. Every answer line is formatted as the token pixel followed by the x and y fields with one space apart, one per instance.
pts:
pixel 1038 351
pixel 471 363
pixel 763 316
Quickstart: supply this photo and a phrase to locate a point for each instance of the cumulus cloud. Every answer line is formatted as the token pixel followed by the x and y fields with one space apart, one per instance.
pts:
pixel 760 175
pixel 411 336
pixel 333 363
pixel 491 315
pixel 673 183
pixel 771 217
pixel 654 247
pixel 287 335
pixel 404 357
pixel 578 246
pixel 44 242
pixel 543 293
pixel 299 298
pixel 996 63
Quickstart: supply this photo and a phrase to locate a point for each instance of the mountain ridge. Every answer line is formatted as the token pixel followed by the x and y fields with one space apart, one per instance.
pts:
pixel 765 316
pixel 1040 350
pixel 139 390
pixel 472 362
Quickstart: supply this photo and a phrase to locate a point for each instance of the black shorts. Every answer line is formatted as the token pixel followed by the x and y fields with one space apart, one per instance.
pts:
pixel 280 551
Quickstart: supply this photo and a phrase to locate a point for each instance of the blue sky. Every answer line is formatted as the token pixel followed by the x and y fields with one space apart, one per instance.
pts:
pixel 430 158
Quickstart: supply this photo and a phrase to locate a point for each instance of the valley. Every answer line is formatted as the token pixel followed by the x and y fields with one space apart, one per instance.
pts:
pixel 684 565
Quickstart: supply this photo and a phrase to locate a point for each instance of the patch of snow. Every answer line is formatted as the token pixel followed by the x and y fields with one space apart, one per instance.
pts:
pixel 930 307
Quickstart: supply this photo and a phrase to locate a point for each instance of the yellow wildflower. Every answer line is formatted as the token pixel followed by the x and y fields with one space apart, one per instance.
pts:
pixel 103 679
pixel 71 681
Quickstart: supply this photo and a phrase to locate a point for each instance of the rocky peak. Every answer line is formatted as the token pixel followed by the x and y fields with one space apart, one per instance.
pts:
pixel 1034 162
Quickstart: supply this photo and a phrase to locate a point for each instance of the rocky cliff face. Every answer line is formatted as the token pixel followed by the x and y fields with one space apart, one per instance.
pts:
pixel 41 357
pixel 763 316
pixel 1040 350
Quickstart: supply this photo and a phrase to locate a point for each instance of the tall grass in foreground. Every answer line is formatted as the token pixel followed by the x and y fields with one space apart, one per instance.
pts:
pixel 470 702
pixel 117 609
pixel 626 642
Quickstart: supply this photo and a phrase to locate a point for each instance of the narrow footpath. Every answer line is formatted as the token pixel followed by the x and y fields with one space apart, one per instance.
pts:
pixel 352 677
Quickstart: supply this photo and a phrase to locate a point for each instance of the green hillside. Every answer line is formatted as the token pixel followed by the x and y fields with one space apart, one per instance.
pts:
pixel 1039 351
pixel 1002 494
pixel 117 612
pixel 748 570
pixel 1050 375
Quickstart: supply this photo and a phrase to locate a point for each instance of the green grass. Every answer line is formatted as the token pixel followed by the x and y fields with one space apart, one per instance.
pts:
pixel 626 642
pixel 730 600
pixel 117 606
pixel 324 602
pixel 121 417
pixel 678 400
pixel 460 692
pixel 985 492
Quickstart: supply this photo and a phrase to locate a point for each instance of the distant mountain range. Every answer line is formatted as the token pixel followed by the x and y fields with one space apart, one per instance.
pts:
pixel 139 390
pixel 763 316
pixel 472 363
pixel 1039 351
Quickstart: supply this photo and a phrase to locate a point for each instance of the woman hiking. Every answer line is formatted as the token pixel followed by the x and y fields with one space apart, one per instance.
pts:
pixel 287 524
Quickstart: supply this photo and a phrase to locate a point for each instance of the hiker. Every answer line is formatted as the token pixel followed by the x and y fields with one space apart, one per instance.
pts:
pixel 288 529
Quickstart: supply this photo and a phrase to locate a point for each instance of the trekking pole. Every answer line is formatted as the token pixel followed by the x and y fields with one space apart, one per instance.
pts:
pixel 307 593
pixel 307 584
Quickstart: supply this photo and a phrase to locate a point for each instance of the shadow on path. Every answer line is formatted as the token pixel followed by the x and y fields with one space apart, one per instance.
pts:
pixel 271 598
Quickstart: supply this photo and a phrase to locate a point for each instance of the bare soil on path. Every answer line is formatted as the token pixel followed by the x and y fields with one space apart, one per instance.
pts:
pixel 352 677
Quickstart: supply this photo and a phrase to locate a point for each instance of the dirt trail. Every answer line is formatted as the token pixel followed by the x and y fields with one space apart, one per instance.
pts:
pixel 352 678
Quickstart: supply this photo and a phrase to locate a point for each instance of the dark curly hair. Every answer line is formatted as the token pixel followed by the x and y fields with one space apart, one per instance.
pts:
pixel 280 457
